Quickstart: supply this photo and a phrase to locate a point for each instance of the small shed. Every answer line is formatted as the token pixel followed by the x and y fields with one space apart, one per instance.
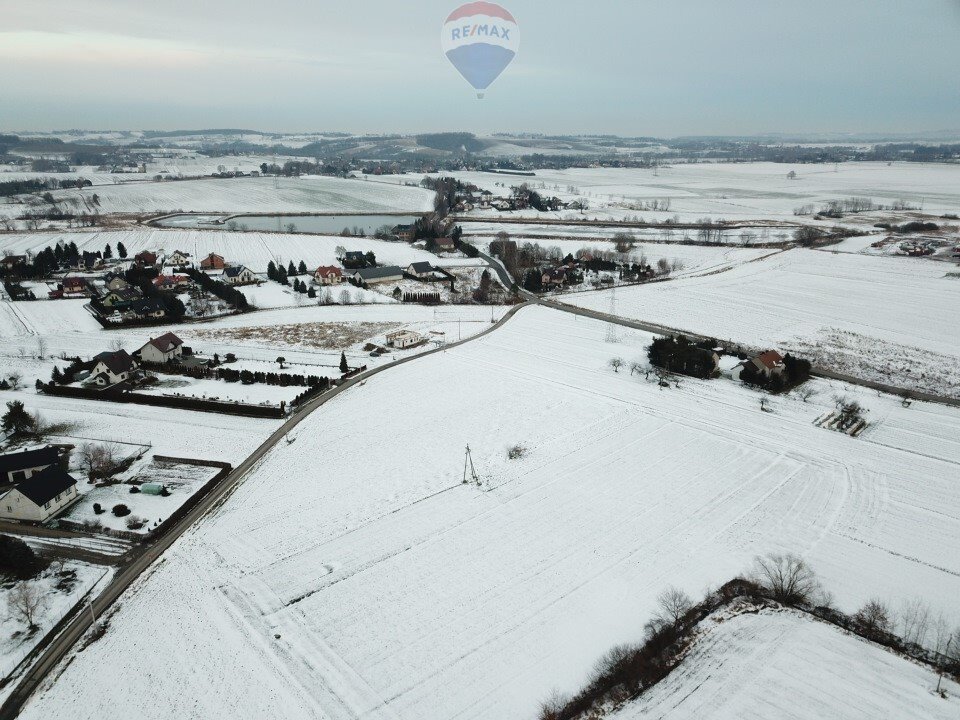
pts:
pixel 153 489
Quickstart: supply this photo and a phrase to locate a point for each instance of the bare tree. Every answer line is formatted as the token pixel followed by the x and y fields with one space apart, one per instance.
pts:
pixel 116 344
pixel 636 367
pixel 787 577
pixel 616 364
pixel 914 621
pixel 805 393
pixel 874 617
pixel 41 347
pixel 674 605
pixel 27 603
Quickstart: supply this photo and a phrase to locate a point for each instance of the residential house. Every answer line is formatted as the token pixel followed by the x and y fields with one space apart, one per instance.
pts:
pixel 39 497
pixel 552 278
pixel 110 368
pixel 161 350
pixel 17 466
pixel 145 258
pixel 178 258
pixel 374 276
pixel 353 259
pixel 420 270
pixel 120 297
pixel 239 275
pixel 405 232
pixel 148 309
pixel 444 244
pixel 404 339
pixel 12 261
pixel 114 281
pixel 768 364
pixel 171 283
pixel 213 262
pixel 328 275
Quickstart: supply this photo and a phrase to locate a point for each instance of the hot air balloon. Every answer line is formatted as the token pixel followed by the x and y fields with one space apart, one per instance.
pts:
pixel 480 39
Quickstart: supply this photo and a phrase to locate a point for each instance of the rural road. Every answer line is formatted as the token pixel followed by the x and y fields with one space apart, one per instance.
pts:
pixel 128 574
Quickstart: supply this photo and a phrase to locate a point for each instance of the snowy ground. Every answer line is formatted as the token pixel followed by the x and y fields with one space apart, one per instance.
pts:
pixel 354 576
pixel 303 194
pixel 209 389
pixel 779 665
pixel 253 249
pixel 15 643
pixel 889 319
pixel 181 480
pixel 740 191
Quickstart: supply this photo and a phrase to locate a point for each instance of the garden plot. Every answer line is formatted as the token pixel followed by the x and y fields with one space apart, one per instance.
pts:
pixel 61 590
pixel 303 194
pixel 146 511
pixel 886 319
pixel 270 295
pixel 362 579
pixel 221 391
pixel 776 665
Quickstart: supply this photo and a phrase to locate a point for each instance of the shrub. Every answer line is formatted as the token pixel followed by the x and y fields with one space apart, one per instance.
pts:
pixel 134 489
pixel 18 559
pixel 97 509
pixel 135 523
pixel 517 452
pixel 121 510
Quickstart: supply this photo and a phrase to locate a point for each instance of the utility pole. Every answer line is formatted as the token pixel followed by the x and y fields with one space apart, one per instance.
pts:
pixel 468 464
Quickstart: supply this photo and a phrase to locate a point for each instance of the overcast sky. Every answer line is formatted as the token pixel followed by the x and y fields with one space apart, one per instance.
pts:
pixel 633 67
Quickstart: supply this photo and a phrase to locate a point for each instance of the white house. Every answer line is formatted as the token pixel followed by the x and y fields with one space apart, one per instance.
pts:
pixel 161 350
pixel 178 258
pixel 404 339
pixel 111 368
pixel 239 275
pixel 39 497
pixel 420 269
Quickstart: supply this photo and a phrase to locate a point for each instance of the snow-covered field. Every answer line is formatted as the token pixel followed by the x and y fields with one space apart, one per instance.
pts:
pixel 747 191
pixel 253 249
pixel 889 319
pixel 303 194
pixel 778 665
pixel 353 575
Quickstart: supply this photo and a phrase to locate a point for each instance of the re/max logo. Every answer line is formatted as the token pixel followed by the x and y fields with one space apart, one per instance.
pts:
pixel 466 31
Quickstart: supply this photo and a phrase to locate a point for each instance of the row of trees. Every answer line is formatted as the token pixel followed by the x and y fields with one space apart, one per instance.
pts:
pixel 227 293
pixel 249 377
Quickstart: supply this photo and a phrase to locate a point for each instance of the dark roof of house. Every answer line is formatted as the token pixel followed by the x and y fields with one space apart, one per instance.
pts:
pixel 46 485
pixel 12 462
pixel 379 272
pixel 166 342
pixel 147 305
pixel 402 228
pixel 353 255
pixel 124 293
pixel 421 267
pixel 117 362
pixel 234 271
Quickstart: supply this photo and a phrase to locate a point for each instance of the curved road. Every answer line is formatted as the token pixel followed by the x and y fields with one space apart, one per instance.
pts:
pixel 64 642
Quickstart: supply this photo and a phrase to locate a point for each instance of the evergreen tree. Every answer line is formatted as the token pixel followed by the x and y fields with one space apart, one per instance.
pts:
pixel 343 363
pixel 291 269
pixel 17 420
pixel 311 292
pixel 272 270
pixel 282 276
pixel 107 252
pixel 56 377
pixel 122 250
pixel 302 268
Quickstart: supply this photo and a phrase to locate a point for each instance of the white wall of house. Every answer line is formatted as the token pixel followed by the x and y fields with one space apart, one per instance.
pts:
pixel 149 353
pixel 17 506
pixel 101 367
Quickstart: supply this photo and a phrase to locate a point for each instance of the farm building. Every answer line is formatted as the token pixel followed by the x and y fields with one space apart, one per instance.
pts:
pixel 39 497
pixel 374 276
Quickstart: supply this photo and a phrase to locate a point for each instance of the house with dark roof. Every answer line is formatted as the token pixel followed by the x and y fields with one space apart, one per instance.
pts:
pixel 178 258
pixel 444 244
pixel 145 258
pixel 17 466
pixel 374 276
pixel 120 297
pixel 405 232
pixel 238 275
pixel 110 368
pixel 115 281
pixel 39 497
pixel 171 283
pixel 353 259
pixel 161 350
pixel 11 261
pixel 148 309
pixel 420 269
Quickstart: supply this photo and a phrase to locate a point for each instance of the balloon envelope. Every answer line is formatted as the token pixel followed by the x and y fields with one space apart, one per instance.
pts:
pixel 480 39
